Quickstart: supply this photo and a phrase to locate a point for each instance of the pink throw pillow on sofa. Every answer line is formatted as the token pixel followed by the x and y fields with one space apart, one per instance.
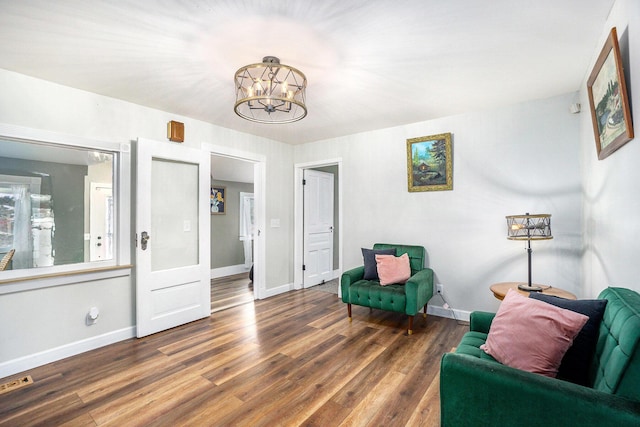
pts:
pixel 392 269
pixel 532 335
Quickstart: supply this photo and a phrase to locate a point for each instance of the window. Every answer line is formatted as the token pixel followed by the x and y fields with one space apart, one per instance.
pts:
pixel 59 204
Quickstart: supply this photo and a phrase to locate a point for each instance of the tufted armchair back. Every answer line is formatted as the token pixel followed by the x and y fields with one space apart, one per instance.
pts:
pixel 416 254
pixel 616 364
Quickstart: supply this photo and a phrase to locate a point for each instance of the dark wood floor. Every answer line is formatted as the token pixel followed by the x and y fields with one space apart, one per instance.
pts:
pixel 289 360
pixel 231 291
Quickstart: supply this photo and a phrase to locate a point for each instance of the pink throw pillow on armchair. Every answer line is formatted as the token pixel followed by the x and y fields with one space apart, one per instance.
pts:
pixel 532 335
pixel 392 269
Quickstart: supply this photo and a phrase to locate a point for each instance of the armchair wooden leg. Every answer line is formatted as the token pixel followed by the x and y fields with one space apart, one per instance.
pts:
pixel 410 331
pixel 425 311
pixel 349 310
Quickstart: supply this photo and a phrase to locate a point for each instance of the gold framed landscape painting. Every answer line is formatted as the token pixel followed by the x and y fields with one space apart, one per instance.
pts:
pixel 610 112
pixel 430 163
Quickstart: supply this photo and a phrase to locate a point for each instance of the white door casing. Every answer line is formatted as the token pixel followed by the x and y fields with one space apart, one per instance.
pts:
pixel 172 213
pixel 318 227
pixel 259 189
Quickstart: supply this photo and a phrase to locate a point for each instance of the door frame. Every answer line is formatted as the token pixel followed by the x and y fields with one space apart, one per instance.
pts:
pixel 298 207
pixel 259 190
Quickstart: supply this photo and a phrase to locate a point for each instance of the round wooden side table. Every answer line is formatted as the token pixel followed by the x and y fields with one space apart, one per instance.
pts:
pixel 500 290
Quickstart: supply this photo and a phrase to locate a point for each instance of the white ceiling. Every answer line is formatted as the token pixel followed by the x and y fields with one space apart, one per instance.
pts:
pixel 230 169
pixel 370 64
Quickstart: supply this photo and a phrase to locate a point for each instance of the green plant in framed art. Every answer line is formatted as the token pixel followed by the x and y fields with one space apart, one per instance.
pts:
pixel 608 100
pixel 430 163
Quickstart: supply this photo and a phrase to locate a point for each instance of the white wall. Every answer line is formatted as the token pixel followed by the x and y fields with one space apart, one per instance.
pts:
pixel 54 318
pixel 513 160
pixel 611 195
pixel 41 325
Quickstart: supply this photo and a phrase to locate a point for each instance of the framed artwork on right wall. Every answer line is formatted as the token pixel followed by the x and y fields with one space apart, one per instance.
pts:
pixel 608 101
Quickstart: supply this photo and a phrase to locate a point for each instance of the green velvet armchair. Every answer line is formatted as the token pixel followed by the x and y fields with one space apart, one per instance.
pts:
pixel 477 390
pixel 406 298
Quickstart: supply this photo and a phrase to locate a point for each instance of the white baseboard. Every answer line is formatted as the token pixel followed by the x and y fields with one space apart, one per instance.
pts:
pixel 228 271
pixel 21 364
pixel 449 313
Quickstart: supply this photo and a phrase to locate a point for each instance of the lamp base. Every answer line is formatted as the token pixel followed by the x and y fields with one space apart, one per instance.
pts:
pixel 527 288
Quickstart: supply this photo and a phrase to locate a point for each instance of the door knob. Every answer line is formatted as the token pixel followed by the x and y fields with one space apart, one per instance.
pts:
pixel 144 238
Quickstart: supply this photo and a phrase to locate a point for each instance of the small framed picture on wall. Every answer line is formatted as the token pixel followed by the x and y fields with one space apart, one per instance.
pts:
pixel 218 200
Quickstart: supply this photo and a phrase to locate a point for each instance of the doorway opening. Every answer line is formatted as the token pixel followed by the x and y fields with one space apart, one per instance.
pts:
pixel 237 212
pixel 306 221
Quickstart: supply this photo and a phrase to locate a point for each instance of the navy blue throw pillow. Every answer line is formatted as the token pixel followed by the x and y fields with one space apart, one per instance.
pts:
pixel 576 362
pixel 370 266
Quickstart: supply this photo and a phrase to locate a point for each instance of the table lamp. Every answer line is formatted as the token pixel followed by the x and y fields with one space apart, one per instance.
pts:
pixel 529 227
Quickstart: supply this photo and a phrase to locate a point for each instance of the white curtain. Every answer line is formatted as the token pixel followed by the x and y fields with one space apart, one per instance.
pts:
pixel 21 227
pixel 247 227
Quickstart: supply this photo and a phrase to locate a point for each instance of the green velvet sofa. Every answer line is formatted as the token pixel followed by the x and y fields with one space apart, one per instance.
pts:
pixel 407 298
pixel 477 390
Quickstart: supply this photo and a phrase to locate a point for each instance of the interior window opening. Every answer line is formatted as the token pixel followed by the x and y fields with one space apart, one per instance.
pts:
pixel 56 205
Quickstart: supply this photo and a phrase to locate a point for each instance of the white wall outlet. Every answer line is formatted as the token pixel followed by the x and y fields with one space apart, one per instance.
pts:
pixel 440 288
pixel 92 316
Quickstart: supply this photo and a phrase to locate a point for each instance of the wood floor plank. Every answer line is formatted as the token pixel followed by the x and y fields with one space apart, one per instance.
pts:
pixel 84 420
pixel 206 413
pixel 115 380
pixel 262 375
pixel 323 378
pixel 138 407
pixel 231 291
pixel 56 411
pixel 392 359
pixel 329 414
pixel 374 400
pixel 427 412
pixel 310 338
pixel 293 359
pixel 207 367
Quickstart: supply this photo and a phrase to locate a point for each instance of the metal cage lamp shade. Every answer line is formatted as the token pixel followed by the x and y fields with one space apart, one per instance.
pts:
pixel 529 227
pixel 270 92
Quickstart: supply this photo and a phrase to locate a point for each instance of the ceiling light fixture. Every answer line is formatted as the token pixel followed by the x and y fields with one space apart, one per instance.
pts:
pixel 270 92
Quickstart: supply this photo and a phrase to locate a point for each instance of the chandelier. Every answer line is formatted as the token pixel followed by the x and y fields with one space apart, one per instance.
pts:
pixel 270 92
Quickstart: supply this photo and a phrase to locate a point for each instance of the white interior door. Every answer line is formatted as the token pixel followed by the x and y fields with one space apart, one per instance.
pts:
pixel 318 227
pixel 172 229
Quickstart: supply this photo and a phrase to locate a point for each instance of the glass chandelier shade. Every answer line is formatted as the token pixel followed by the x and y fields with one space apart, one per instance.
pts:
pixel 270 92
